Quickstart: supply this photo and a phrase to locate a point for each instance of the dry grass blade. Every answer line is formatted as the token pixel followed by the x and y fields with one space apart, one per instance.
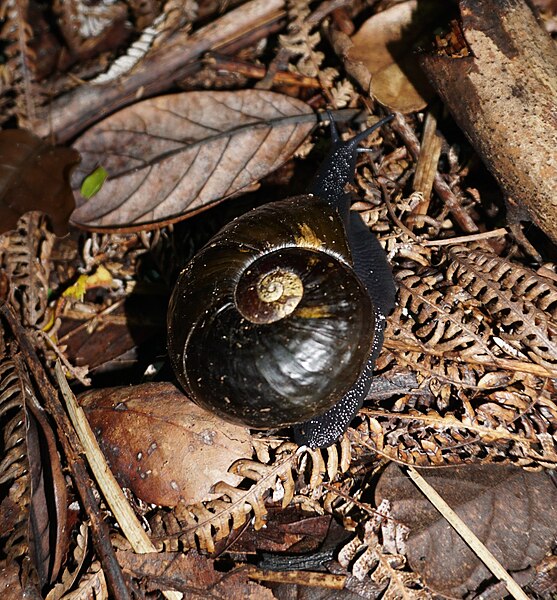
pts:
pixel 113 493
pixel 464 531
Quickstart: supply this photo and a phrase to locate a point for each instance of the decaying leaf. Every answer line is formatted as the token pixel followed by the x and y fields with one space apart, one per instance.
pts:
pixel 33 512
pixel 48 531
pixel 161 445
pixel 384 46
pixel 288 530
pixel 176 154
pixel 192 574
pixel 10 584
pixel 106 338
pixel 512 511
pixel 34 176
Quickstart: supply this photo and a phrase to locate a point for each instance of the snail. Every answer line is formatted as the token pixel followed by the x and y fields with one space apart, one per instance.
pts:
pixel 279 319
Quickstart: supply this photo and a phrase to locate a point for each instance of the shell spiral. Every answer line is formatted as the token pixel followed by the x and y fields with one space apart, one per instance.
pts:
pixel 269 325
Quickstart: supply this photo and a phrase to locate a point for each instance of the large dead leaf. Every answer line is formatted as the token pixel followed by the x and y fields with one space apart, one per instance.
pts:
pixel 34 176
pixel 512 511
pixel 48 531
pixel 179 153
pixel 161 445
pixel 192 574
pixel 384 45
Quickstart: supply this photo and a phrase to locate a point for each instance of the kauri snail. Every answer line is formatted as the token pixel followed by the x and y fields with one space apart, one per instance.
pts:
pixel 278 320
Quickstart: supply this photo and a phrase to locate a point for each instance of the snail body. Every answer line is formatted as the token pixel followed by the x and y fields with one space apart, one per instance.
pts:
pixel 278 320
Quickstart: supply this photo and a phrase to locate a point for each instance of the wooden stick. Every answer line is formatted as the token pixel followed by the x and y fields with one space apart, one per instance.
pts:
pixel 466 534
pixel 76 110
pixel 119 505
pixel 73 450
pixel 426 166
pixel 465 239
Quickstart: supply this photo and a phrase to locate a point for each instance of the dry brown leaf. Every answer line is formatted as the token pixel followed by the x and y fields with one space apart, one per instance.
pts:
pixel 177 154
pixel 384 46
pixel 193 574
pixel 34 176
pixel 10 584
pixel 161 445
pixel 33 508
pixel 102 339
pixel 512 511
pixel 48 532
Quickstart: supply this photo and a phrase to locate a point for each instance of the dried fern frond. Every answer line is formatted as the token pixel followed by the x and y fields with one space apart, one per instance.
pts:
pixel 24 255
pixel 503 426
pixel 92 585
pixel 69 575
pixel 477 332
pixel 520 304
pixel 300 41
pixel 366 556
pixel 14 465
pixel 206 523
pixel 342 93
pixel 19 93
pixel 437 316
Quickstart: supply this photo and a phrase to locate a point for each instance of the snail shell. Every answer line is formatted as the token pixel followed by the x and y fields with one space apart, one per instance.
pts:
pixel 274 323
pixel 269 323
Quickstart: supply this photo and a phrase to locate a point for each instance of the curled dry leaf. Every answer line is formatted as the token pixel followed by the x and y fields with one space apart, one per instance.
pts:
pixel 33 501
pixel 177 154
pixel 48 531
pixel 34 176
pixel 512 511
pixel 383 45
pixel 161 445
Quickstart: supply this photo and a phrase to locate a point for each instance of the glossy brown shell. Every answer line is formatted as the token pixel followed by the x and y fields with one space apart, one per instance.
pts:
pixel 278 370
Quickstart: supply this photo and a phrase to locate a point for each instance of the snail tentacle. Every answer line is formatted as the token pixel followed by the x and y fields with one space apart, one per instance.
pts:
pixel 279 319
pixel 371 266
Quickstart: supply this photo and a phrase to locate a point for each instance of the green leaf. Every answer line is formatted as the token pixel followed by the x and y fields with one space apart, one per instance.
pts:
pixel 93 182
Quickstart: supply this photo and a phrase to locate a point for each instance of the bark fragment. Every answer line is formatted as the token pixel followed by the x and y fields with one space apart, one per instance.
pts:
pixel 503 95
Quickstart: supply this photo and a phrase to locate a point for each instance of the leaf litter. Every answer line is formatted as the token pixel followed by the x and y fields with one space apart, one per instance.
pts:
pixel 471 343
